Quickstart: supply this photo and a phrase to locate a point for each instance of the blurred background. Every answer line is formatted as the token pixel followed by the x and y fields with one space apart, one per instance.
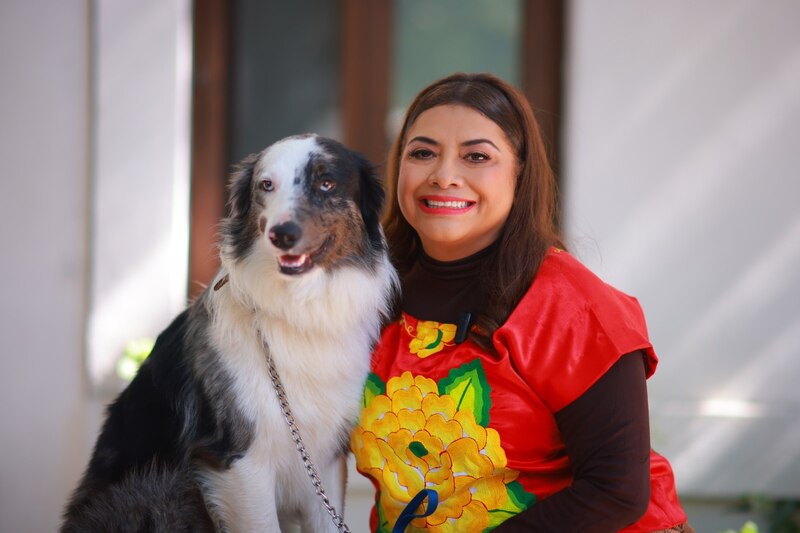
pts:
pixel 674 127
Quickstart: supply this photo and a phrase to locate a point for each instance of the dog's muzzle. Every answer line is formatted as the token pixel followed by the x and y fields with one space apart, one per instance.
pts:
pixel 286 235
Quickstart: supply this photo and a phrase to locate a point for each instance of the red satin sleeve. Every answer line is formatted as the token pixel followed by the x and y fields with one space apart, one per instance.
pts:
pixel 569 329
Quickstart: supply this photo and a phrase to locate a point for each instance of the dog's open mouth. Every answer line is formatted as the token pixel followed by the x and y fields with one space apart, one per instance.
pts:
pixel 298 264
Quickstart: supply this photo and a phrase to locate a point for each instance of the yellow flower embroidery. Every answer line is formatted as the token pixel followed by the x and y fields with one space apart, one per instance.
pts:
pixel 430 337
pixel 413 437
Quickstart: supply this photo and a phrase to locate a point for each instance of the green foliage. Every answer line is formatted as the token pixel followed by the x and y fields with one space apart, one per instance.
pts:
pixel 782 516
pixel 748 527
pixel 134 354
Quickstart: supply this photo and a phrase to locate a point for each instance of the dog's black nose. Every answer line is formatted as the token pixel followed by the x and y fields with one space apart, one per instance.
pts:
pixel 285 235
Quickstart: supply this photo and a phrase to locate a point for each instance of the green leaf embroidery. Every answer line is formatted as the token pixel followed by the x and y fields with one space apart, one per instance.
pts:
pixel 373 387
pixel 418 449
pixel 519 500
pixel 519 497
pixel 383 523
pixel 435 343
pixel 467 385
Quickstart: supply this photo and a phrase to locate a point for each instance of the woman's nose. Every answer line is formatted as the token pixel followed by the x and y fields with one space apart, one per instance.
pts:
pixel 445 175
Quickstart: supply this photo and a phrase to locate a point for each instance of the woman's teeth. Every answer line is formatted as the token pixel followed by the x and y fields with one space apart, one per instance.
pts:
pixel 450 204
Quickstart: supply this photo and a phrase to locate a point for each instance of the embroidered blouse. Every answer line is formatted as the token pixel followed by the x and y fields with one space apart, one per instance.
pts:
pixel 483 430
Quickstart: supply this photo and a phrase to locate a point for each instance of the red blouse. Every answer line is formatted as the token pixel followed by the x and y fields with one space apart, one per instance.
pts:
pixel 479 428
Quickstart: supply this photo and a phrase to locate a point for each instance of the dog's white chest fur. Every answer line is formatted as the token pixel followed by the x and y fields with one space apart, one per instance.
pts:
pixel 320 343
pixel 322 374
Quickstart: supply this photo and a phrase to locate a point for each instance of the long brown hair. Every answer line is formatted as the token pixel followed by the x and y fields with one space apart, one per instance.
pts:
pixel 530 229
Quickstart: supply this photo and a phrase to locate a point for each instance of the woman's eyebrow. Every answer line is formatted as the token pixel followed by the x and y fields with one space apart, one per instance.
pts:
pixel 421 138
pixel 473 142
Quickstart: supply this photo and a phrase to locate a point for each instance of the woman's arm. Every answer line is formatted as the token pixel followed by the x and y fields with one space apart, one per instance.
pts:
pixel 606 432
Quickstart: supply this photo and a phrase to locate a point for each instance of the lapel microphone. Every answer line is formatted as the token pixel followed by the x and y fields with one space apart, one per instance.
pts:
pixel 462 326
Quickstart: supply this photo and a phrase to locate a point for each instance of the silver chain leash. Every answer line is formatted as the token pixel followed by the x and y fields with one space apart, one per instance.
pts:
pixel 338 521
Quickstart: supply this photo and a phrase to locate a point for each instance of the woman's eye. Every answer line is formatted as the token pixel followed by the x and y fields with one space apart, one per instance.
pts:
pixel 421 153
pixel 476 157
pixel 327 185
pixel 267 185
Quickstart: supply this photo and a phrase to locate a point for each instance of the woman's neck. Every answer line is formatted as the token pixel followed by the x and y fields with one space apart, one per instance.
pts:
pixel 442 290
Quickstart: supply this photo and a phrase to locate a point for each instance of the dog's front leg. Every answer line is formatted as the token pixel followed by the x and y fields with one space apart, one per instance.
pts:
pixel 315 517
pixel 245 494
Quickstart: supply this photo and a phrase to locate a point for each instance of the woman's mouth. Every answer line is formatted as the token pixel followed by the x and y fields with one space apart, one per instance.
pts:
pixel 445 205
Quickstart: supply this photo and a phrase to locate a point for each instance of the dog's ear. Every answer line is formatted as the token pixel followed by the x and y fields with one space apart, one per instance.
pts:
pixel 237 229
pixel 370 200
pixel 240 188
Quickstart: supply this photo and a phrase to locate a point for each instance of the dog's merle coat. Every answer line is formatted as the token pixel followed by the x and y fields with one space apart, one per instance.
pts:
pixel 197 441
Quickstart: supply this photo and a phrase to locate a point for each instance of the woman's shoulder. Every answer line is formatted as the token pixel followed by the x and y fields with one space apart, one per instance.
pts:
pixel 572 324
pixel 560 265
pixel 565 283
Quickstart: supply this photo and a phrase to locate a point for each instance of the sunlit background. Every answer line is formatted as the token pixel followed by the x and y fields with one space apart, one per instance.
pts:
pixel 675 128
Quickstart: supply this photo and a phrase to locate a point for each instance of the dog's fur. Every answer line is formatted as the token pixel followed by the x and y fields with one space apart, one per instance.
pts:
pixel 197 441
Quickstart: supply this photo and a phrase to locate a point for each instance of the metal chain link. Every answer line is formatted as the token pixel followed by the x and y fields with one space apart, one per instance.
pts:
pixel 338 521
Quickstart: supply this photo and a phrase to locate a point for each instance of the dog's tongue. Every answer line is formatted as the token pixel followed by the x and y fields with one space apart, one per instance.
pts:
pixel 293 261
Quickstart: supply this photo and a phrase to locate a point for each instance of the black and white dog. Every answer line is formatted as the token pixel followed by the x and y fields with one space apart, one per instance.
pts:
pixel 197 441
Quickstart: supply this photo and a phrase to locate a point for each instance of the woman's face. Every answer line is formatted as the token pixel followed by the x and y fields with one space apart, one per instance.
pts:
pixel 456 180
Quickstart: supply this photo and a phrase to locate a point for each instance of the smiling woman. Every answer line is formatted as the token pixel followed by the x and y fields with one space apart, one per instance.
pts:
pixel 456 181
pixel 499 114
pixel 509 392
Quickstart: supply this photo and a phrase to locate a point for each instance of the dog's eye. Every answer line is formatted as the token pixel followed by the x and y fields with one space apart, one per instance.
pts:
pixel 267 185
pixel 327 185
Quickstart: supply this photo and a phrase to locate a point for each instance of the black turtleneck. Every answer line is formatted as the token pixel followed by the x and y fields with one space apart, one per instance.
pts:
pixel 605 431
pixel 441 291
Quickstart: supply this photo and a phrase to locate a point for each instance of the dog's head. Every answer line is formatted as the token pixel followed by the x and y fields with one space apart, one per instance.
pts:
pixel 307 202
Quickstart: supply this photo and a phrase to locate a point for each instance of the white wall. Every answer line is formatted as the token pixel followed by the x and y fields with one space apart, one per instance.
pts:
pixel 683 150
pixel 95 101
pixel 141 102
pixel 43 222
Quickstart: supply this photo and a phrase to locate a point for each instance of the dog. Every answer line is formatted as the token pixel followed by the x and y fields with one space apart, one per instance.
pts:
pixel 198 440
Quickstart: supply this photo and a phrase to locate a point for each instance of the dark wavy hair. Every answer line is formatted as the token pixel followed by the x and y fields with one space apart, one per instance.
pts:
pixel 531 227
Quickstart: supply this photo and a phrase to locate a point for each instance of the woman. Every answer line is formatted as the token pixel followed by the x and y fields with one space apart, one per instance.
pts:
pixel 510 391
